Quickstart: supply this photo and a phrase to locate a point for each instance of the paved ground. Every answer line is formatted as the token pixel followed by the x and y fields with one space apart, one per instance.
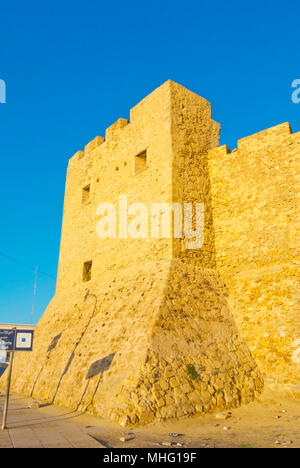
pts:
pixel 44 427
pixel 272 421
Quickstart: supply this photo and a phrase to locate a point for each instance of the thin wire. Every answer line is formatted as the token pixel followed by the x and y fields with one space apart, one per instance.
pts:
pixel 26 265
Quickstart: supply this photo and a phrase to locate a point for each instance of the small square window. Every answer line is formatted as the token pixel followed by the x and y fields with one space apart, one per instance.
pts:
pixel 140 162
pixel 87 271
pixel 86 194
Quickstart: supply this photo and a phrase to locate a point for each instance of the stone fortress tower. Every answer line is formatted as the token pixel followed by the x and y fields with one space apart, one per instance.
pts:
pixel 144 329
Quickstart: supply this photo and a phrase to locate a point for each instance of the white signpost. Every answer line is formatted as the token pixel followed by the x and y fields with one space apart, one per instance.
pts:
pixel 13 338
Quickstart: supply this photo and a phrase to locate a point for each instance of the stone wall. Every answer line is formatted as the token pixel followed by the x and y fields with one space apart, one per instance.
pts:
pixel 162 331
pixel 256 217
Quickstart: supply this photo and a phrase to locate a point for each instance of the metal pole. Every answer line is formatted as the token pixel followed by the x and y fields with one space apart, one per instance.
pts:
pixel 11 358
pixel 34 294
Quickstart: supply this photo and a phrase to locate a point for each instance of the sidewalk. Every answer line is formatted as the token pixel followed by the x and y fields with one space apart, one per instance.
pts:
pixel 44 427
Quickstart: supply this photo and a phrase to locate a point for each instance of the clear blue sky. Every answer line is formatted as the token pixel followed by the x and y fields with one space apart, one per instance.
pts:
pixel 73 68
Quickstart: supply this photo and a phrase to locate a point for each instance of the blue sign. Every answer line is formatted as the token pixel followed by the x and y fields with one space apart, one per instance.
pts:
pixel 24 340
pixel 16 340
pixel 7 340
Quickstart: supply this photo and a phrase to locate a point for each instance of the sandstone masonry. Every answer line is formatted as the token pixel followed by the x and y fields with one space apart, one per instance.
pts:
pixel 143 329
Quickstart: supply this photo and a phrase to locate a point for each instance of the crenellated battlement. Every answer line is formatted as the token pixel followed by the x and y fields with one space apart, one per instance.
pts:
pixel 279 134
pixel 113 131
pixel 274 136
pixel 97 141
pixel 266 137
pixel 219 151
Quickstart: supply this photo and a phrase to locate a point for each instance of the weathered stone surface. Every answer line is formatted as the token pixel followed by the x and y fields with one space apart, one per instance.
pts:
pixel 156 332
pixel 141 350
pixel 256 213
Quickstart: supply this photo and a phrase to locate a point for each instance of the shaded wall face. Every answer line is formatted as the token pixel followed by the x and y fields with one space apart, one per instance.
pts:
pixel 255 202
pixel 193 134
pixel 108 168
